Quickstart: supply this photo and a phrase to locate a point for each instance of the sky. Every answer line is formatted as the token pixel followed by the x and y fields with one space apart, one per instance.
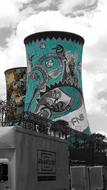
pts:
pixel 20 18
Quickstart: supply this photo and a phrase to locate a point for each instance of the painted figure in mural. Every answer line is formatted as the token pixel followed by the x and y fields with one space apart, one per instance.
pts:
pixel 48 68
pixel 54 76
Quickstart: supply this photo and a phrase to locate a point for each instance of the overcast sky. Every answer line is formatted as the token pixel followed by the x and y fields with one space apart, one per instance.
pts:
pixel 20 18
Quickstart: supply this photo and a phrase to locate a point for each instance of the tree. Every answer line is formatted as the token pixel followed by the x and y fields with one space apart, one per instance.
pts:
pixel 61 127
pixel 2 111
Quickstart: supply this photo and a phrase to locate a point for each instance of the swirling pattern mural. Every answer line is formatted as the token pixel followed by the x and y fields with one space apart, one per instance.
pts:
pixel 54 85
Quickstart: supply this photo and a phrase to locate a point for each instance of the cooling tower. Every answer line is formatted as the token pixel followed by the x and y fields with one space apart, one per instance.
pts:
pixel 16 89
pixel 54 81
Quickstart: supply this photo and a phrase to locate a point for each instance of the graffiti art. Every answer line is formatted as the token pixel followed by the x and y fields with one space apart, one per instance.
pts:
pixel 16 90
pixel 54 84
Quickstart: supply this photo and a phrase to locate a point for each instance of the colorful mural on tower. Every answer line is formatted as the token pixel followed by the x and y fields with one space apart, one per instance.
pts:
pixel 54 84
pixel 16 90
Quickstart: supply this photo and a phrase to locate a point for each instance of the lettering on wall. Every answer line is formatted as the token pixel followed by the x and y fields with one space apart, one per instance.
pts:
pixel 77 120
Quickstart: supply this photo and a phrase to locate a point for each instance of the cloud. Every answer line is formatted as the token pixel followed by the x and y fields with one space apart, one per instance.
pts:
pixel 94 84
pixel 11 56
pixel 4 34
pixel 102 96
pixel 4 60
pixel 98 122
pixel 69 7
pixel 10 12
pixel 54 20
pixel 76 7
pixel 90 92
pixel 45 4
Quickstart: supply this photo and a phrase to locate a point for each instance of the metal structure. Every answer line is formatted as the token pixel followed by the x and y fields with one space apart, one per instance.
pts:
pixel 82 181
pixel 54 84
pixel 89 178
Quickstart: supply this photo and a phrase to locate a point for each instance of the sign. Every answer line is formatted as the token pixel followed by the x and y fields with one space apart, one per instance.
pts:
pixel 46 165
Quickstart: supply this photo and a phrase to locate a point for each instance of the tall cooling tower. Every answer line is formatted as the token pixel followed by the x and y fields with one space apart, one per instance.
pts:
pixel 54 84
pixel 16 89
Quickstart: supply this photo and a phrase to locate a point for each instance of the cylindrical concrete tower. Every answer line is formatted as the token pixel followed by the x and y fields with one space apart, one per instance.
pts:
pixel 54 84
pixel 16 90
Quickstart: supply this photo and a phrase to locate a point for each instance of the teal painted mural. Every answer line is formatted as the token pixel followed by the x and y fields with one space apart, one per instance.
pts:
pixel 54 84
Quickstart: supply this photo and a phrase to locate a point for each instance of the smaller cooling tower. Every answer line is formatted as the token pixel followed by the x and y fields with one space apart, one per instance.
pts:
pixel 16 89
